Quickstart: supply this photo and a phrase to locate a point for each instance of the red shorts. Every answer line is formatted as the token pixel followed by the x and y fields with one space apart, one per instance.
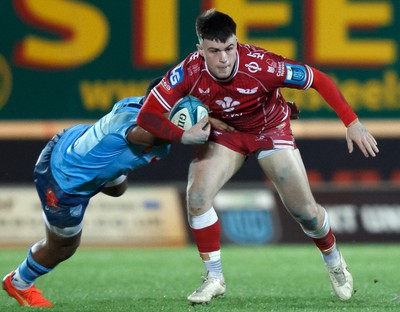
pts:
pixel 246 143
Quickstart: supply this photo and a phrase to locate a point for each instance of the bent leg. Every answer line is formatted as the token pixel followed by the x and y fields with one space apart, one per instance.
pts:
pixel 286 170
pixel 44 256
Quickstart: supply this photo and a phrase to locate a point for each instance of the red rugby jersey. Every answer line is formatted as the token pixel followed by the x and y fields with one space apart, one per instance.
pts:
pixel 250 100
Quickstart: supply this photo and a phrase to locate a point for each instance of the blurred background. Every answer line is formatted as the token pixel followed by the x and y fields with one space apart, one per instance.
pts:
pixel 64 62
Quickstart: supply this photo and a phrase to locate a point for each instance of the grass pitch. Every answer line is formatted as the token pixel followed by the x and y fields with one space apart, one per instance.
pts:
pixel 269 278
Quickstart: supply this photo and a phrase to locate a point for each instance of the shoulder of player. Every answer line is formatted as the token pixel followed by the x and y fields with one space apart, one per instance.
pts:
pixel 179 79
pixel 194 63
pixel 251 53
pixel 189 67
pixel 258 61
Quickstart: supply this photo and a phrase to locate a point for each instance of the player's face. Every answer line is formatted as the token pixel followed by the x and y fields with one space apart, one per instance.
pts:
pixel 220 57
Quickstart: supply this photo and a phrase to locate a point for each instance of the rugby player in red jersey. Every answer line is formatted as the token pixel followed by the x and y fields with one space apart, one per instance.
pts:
pixel 240 84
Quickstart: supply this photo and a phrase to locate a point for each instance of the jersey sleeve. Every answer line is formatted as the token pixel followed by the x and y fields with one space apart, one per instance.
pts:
pixel 151 118
pixel 161 100
pixel 286 73
pixel 332 95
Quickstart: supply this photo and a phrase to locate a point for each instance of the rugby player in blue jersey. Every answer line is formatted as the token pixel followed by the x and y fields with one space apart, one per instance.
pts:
pixel 75 165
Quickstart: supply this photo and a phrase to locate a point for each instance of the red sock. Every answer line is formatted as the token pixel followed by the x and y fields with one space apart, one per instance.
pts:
pixel 208 238
pixel 325 243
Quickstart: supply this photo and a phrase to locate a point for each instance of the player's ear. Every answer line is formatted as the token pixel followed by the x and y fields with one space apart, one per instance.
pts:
pixel 200 49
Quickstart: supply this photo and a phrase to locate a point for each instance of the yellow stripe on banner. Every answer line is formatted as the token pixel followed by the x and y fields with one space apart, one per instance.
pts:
pixel 310 129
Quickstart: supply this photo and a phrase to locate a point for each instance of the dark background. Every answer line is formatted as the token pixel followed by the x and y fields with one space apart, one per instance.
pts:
pixel 324 158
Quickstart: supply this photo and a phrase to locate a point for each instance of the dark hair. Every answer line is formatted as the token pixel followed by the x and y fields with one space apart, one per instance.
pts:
pixel 215 25
pixel 152 84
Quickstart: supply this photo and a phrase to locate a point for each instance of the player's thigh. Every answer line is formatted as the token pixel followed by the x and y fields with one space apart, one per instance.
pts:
pixel 212 166
pixel 286 171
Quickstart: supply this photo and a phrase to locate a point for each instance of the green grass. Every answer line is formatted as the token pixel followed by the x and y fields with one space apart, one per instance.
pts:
pixel 270 278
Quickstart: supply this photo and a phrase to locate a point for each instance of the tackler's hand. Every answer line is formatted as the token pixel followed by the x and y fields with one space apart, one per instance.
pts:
pixel 294 110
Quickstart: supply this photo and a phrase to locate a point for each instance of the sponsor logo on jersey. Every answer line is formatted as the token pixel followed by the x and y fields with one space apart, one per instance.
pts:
pixel 253 67
pixel 257 55
pixel 295 74
pixel 272 66
pixel 194 56
pixel 76 211
pixel 166 86
pixel 247 91
pixel 272 63
pixel 281 69
pixel 228 104
pixel 206 91
pixel 271 69
pixel 193 69
pixel 176 75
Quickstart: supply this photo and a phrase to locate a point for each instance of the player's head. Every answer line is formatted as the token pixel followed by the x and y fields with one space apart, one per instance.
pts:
pixel 216 32
pixel 151 85
pixel 215 26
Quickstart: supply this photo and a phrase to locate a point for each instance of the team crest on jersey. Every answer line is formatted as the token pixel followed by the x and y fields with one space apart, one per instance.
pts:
pixel 247 91
pixel 51 198
pixel 228 104
pixel 176 75
pixel 272 66
pixel 295 74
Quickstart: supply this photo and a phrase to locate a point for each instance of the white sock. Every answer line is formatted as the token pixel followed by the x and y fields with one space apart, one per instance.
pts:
pixel 18 282
pixel 214 266
pixel 333 258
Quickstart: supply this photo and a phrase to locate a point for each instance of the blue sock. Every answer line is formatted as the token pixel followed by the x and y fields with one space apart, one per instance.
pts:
pixel 30 270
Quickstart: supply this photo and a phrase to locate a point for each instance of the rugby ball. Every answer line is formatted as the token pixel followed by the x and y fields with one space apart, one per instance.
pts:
pixel 187 112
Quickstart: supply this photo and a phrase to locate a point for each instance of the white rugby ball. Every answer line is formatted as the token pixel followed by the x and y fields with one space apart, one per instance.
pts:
pixel 187 112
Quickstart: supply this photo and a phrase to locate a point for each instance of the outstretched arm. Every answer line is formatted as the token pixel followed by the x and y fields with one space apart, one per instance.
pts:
pixel 355 132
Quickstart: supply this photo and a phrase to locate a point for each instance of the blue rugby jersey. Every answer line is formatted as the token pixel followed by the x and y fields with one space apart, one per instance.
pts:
pixel 86 157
